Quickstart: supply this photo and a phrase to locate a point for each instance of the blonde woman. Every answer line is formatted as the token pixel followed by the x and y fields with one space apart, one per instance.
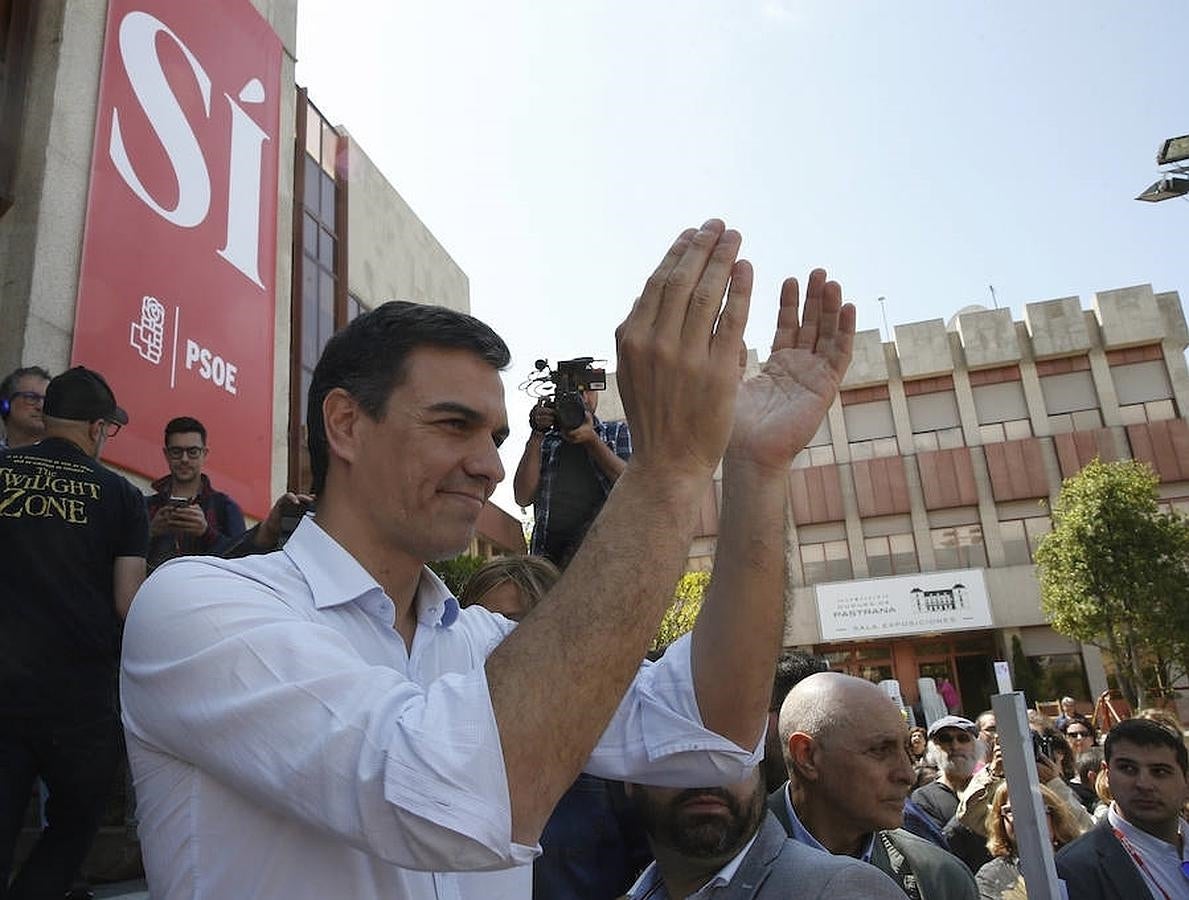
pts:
pixel 1002 873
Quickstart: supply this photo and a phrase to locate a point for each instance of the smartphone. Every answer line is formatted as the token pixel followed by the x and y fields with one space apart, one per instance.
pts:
pixel 180 501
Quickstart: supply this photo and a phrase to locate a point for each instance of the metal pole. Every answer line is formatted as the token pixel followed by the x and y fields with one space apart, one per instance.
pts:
pixel 1028 807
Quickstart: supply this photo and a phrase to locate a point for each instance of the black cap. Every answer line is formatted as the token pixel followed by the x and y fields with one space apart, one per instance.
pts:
pixel 82 395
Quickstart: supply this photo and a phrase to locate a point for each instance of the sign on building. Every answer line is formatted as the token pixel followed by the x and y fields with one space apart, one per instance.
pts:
pixel 177 289
pixel 953 600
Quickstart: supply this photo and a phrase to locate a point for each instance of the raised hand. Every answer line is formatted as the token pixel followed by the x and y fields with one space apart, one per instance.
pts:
pixel 780 409
pixel 679 352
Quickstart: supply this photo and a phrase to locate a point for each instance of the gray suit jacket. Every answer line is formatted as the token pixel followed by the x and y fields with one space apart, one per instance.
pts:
pixel 776 867
pixel 927 871
pixel 1096 867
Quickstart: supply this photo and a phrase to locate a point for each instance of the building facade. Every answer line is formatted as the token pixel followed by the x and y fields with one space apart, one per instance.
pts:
pixel 919 503
pixel 342 238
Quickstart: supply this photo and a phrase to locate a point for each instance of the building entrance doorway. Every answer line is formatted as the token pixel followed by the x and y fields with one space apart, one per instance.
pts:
pixel 965 658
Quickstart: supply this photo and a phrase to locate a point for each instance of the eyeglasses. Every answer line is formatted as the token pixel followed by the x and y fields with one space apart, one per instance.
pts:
pixel 951 737
pixel 189 452
pixel 29 397
pixel 1007 813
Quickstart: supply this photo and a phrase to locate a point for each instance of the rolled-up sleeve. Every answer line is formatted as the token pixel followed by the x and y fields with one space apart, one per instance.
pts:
pixel 657 735
pixel 221 674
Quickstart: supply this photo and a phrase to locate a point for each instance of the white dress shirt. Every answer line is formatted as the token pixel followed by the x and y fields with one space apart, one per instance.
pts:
pixel 1164 868
pixel 285 745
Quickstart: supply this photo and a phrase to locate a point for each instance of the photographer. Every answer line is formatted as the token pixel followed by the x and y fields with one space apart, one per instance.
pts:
pixel 566 476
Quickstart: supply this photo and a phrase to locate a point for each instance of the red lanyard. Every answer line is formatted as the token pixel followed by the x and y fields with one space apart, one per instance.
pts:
pixel 1143 867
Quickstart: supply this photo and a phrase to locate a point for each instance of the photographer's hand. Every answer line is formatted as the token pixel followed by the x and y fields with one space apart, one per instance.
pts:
pixel 528 471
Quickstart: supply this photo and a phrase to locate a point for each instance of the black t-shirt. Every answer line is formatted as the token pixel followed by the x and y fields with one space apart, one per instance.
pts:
pixel 577 495
pixel 64 519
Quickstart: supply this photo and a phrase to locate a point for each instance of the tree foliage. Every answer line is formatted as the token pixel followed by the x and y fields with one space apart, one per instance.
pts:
pixel 456 570
pixel 1114 571
pixel 681 615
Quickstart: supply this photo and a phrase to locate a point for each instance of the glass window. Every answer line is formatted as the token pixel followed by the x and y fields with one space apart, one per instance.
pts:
pixel 828 561
pixel 326 248
pixel 1059 675
pixel 959 547
pixel 310 185
pixel 893 554
pixel 1015 542
pixel 326 208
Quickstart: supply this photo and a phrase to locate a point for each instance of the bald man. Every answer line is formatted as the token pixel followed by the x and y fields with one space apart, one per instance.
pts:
pixel 845 747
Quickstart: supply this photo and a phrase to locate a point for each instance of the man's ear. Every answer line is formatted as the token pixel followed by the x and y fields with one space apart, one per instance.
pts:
pixel 802 756
pixel 341 417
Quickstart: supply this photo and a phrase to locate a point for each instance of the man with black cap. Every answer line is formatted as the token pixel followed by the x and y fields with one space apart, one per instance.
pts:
pixel 73 537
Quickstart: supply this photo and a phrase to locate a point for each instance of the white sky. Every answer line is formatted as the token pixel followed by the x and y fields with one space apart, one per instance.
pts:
pixel 919 151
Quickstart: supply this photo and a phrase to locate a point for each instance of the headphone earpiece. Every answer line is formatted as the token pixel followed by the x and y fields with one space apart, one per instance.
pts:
pixel 5 407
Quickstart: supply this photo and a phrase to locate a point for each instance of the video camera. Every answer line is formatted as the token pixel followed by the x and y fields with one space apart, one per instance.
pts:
pixel 560 388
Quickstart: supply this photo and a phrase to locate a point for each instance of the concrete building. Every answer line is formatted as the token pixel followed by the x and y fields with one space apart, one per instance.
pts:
pixel 917 507
pixel 345 239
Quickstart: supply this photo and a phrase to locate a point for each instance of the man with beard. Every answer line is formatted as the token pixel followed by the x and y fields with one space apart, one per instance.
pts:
pixel 953 746
pixel 840 732
pixel 187 516
pixel 720 842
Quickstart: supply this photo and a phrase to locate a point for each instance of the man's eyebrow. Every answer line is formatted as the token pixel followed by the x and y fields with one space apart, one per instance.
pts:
pixel 473 416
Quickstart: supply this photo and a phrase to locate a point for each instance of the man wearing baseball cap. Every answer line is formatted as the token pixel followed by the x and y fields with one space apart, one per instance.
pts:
pixel 953 745
pixel 73 537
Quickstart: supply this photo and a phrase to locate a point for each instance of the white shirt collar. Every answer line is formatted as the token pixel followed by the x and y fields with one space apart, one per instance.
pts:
pixel 649 885
pixel 335 577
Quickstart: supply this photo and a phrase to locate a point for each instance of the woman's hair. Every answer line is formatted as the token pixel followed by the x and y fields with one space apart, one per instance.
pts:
pixel 1102 787
pixel 1063 827
pixel 1163 716
pixel 533 575
pixel 924 736
pixel 1062 753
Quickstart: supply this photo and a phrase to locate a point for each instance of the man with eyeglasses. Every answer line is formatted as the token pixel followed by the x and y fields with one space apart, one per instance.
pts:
pixel 21 395
pixel 73 536
pixel 953 747
pixel 187 517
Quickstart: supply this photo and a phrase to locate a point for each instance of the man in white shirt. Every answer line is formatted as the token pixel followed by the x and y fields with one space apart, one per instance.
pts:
pixel 324 721
pixel 1142 849
pixel 721 843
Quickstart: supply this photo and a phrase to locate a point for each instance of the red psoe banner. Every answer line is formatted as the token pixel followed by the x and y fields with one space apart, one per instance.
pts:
pixel 177 292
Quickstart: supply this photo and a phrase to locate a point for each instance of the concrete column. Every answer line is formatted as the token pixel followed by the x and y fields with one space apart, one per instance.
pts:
pixel 963 393
pixel 1108 399
pixel 854 525
pixel 1030 381
pixel 920 518
pixel 1178 375
pixel 987 514
pixel 899 403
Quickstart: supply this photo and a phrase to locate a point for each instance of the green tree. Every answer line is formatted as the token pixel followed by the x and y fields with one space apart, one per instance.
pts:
pixel 1113 570
pixel 681 615
pixel 456 570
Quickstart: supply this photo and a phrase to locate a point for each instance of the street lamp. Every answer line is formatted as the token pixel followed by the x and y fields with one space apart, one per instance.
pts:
pixel 1173 180
pixel 1166 188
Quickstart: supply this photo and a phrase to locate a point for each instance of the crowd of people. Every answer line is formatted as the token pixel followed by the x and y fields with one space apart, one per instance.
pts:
pixel 330 721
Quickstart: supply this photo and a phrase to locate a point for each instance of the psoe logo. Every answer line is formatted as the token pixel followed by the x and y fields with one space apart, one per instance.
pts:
pixel 148 334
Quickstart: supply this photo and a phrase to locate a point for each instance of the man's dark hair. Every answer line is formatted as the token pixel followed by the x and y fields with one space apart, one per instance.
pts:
pixel 793 666
pixel 1146 733
pixel 185 425
pixel 1088 763
pixel 367 360
pixel 9 384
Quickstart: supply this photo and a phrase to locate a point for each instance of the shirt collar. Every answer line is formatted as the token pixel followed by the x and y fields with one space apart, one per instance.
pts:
pixel 649 885
pixel 1143 842
pixel 335 577
pixel 802 835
